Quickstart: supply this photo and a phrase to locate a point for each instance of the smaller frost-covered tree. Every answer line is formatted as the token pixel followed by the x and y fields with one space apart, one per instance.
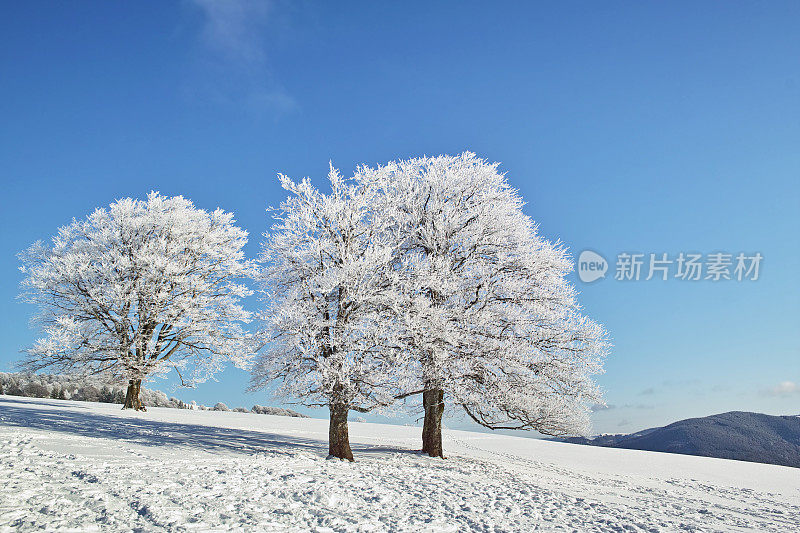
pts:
pixel 486 313
pixel 137 289
pixel 326 277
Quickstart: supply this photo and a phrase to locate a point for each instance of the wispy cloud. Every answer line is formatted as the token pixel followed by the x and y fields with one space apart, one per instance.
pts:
pixel 694 386
pixel 783 389
pixel 234 28
pixel 637 406
pixel 608 407
pixel 234 41
pixel 680 384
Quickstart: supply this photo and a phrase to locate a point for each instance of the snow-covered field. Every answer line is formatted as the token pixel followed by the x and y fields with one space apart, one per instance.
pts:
pixel 85 466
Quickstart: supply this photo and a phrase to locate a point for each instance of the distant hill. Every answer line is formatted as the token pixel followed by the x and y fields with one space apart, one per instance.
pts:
pixel 754 437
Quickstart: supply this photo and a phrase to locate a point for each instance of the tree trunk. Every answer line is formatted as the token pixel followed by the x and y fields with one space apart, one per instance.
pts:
pixel 338 436
pixel 433 401
pixel 132 400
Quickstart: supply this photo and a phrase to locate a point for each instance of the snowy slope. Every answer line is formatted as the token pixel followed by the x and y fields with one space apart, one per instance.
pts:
pixel 85 466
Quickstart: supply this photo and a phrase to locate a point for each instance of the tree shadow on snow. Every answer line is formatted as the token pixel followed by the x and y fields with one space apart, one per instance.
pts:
pixel 39 415
pixel 40 401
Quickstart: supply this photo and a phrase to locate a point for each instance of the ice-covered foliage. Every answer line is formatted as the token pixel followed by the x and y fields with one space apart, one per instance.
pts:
pixel 426 275
pixel 278 411
pixel 91 389
pixel 327 282
pixel 487 314
pixel 139 288
pixel 77 388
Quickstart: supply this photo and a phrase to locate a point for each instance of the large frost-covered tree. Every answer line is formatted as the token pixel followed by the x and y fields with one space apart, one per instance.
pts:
pixel 140 288
pixel 487 313
pixel 327 283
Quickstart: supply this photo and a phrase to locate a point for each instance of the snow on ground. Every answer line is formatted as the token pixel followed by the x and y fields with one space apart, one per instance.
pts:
pixel 74 466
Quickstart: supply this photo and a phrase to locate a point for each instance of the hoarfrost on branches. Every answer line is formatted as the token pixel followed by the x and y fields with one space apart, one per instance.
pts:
pixel 425 276
pixel 139 288
pixel 487 312
pixel 327 282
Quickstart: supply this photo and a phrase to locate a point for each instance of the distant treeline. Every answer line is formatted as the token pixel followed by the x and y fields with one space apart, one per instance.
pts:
pixel 95 390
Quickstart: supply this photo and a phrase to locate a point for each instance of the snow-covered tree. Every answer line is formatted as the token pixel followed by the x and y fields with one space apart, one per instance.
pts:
pixel 487 313
pixel 327 278
pixel 140 288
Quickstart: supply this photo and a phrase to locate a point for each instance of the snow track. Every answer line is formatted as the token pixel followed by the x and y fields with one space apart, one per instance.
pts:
pixel 79 467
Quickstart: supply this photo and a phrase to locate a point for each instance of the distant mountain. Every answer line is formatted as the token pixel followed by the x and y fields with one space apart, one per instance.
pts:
pixel 754 437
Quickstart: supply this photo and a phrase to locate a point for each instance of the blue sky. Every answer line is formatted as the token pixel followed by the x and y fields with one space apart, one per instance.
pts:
pixel 627 127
